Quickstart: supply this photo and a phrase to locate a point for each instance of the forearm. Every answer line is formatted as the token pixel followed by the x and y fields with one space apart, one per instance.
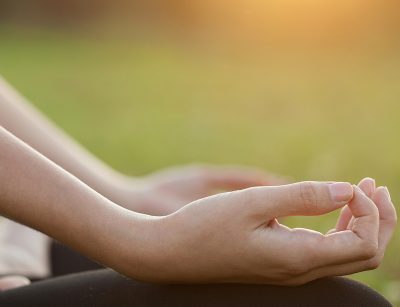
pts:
pixel 25 122
pixel 190 245
pixel 36 192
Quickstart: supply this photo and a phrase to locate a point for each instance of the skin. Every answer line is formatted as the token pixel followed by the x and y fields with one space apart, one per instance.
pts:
pixel 157 194
pixel 228 237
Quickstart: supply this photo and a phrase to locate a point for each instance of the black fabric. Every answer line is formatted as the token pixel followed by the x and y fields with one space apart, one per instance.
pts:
pixel 65 261
pixel 107 288
pixel 104 287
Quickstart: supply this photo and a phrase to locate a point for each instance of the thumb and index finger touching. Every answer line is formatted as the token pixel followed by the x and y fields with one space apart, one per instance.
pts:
pixel 316 198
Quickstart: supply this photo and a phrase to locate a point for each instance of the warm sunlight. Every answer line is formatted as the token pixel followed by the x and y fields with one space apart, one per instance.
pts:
pixel 109 109
pixel 294 21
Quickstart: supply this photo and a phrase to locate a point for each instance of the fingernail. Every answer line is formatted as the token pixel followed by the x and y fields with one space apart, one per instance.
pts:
pixel 372 185
pixel 387 193
pixel 341 191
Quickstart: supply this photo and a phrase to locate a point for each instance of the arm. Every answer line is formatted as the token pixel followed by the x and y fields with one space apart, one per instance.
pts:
pixel 230 237
pixel 38 193
pixel 20 118
pixel 159 194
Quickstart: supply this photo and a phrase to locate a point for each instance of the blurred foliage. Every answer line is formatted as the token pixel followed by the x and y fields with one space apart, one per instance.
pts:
pixel 311 100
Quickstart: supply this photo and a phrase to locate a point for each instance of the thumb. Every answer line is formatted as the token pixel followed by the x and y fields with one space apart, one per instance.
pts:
pixel 302 198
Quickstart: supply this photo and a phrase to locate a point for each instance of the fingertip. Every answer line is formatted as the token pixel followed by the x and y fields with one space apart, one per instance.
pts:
pixel 382 198
pixel 368 180
pixel 382 194
pixel 368 185
pixel 341 191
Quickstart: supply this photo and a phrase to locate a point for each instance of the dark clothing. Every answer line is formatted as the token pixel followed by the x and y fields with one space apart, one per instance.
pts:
pixel 104 287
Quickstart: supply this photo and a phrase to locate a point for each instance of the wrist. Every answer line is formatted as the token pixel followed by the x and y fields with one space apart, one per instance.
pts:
pixel 143 254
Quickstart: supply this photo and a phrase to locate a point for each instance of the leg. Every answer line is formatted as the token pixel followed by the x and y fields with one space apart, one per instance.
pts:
pixel 108 288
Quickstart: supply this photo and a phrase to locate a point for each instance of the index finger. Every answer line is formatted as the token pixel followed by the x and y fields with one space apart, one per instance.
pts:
pixel 358 243
pixel 387 222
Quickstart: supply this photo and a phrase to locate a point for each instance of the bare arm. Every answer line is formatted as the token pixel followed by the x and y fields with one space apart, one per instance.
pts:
pixel 159 194
pixel 19 117
pixel 40 194
pixel 231 237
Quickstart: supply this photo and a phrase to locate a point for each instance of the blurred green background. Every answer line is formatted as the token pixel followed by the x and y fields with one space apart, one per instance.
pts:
pixel 311 92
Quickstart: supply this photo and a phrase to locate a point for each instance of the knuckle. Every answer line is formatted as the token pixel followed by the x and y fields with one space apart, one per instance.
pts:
pixel 308 195
pixel 369 249
pixel 374 263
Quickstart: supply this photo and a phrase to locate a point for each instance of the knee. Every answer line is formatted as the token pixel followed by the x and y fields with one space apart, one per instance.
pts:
pixel 341 291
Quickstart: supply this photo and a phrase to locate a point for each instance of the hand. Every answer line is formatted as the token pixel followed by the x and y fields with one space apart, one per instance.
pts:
pixel 168 190
pixel 235 237
pixel 387 219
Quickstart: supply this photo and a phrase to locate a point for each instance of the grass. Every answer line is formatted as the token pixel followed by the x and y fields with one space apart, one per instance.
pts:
pixel 143 105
